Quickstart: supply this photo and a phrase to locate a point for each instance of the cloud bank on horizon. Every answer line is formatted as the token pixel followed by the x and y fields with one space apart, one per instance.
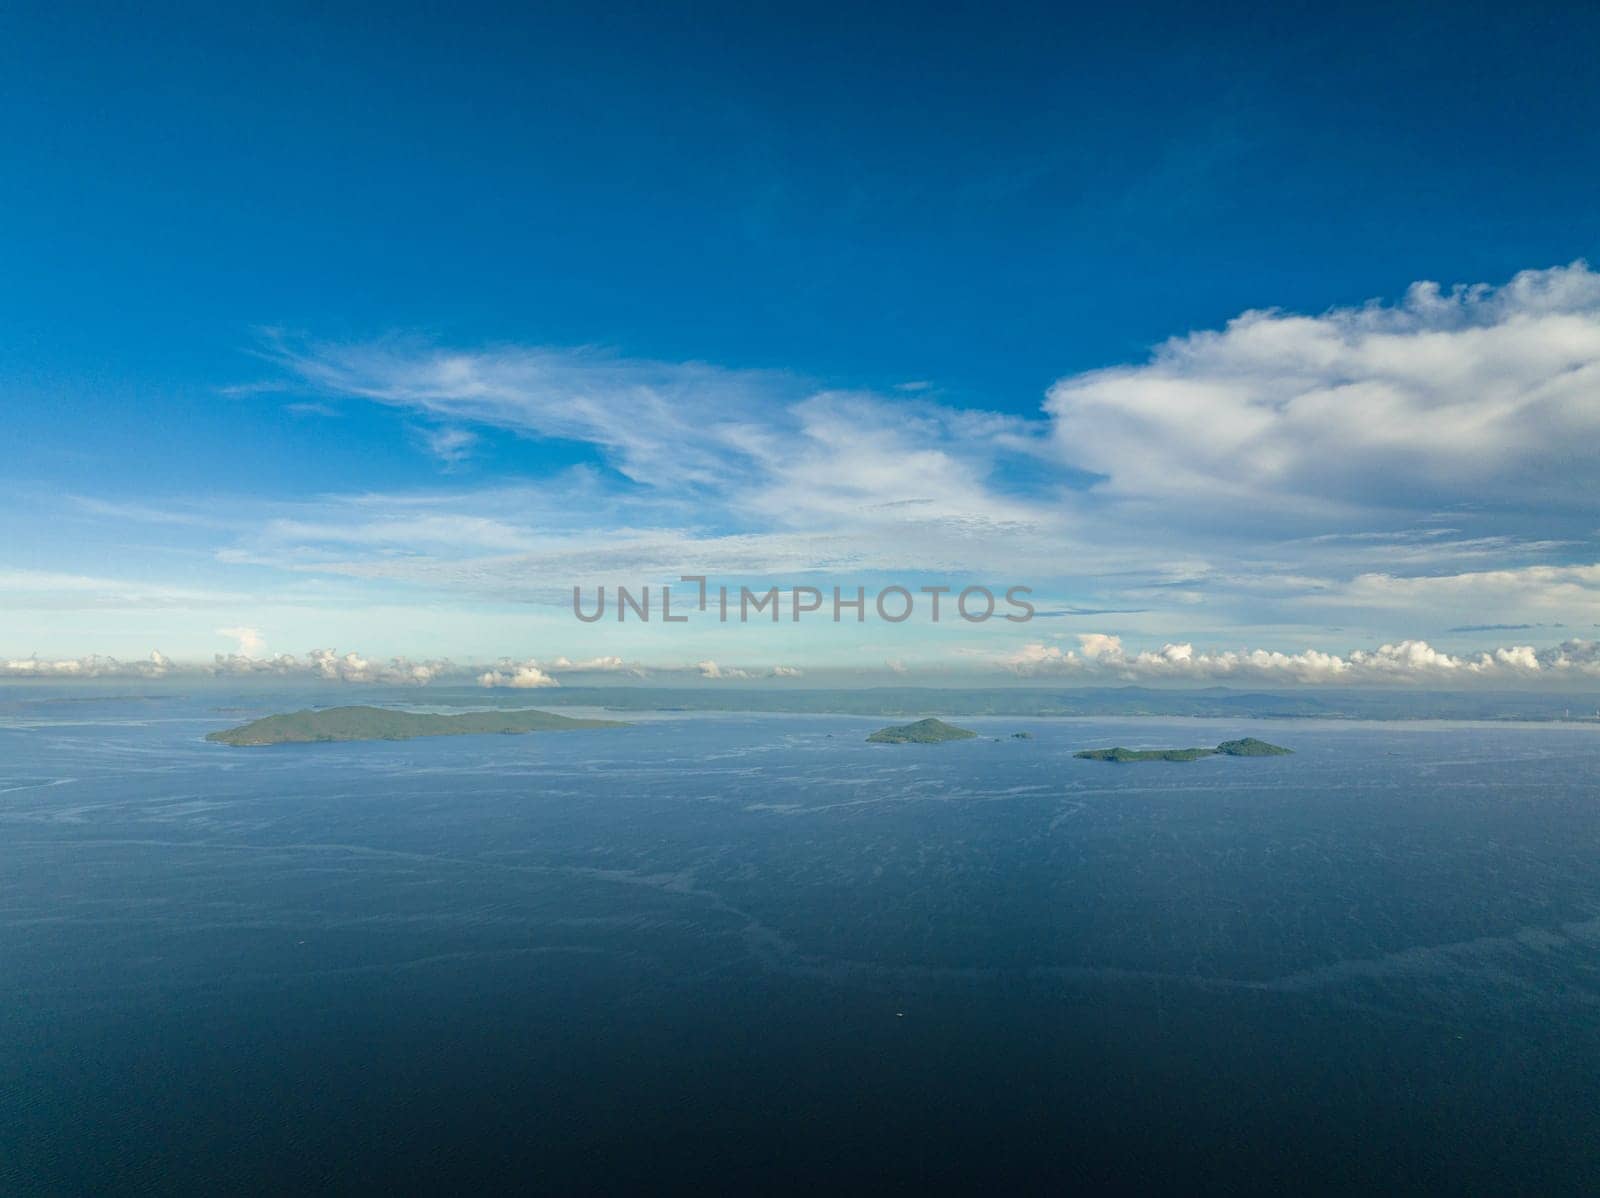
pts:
pixel 1099 658
pixel 1390 477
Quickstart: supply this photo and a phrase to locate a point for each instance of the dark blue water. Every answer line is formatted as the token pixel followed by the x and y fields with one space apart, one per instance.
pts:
pixel 759 954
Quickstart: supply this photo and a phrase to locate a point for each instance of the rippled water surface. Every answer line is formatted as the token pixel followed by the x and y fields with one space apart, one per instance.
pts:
pixel 757 951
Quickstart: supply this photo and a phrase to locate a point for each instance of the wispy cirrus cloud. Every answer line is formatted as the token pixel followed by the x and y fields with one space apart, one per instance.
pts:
pixel 670 424
pixel 1474 393
pixel 1404 471
pixel 451 445
pixel 59 590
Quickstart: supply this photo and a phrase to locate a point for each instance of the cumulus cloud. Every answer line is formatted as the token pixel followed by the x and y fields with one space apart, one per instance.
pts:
pixel 352 667
pixel 250 642
pixel 329 665
pixel 600 665
pixel 332 665
pixel 535 672
pixel 1476 392
pixel 527 676
pixel 719 673
pixel 93 665
pixel 711 670
pixel 1103 656
pixel 1096 658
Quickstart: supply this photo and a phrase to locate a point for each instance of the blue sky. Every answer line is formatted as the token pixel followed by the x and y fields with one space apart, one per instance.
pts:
pixel 378 331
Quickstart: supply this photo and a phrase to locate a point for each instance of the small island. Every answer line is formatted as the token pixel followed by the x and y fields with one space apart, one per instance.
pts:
pixel 923 732
pixel 1248 747
pixel 1120 754
pixel 381 723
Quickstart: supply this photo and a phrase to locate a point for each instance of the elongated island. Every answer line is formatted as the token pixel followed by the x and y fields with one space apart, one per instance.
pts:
pixel 382 723
pixel 1248 747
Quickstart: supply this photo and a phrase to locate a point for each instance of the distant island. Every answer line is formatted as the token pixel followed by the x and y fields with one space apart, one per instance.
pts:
pixel 923 732
pixel 1248 747
pixel 381 723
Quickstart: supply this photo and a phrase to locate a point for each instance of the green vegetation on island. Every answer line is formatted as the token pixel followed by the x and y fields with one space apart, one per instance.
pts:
pixel 381 723
pixel 1248 747
pixel 1121 754
pixel 923 732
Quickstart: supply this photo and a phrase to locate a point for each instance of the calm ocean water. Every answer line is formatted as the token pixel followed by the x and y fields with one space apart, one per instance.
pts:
pixel 757 953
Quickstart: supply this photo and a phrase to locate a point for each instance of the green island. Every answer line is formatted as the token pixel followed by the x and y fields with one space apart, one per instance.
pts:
pixel 1248 747
pixel 923 732
pixel 381 723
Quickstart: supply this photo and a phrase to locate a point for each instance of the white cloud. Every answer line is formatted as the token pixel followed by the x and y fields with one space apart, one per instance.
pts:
pixel 810 479
pixel 1391 470
pixel 436 531
pixel 1104 656
pixel 1477 393
pixel 1278 425
pixel 534 672
pixel 604 665
pixel 1097 658
pixel 92 665
pixel 56 590
pixel 661 422
pixel 1575 588
pixel 451 445
pixel 250 642
pixel 352 667
pixel 527 676
pixel 863 463
pixel 710 669
pixel 1097 645
pixel 329 665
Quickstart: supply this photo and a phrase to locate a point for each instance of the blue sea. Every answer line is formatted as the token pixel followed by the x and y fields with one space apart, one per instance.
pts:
pixel 754 954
